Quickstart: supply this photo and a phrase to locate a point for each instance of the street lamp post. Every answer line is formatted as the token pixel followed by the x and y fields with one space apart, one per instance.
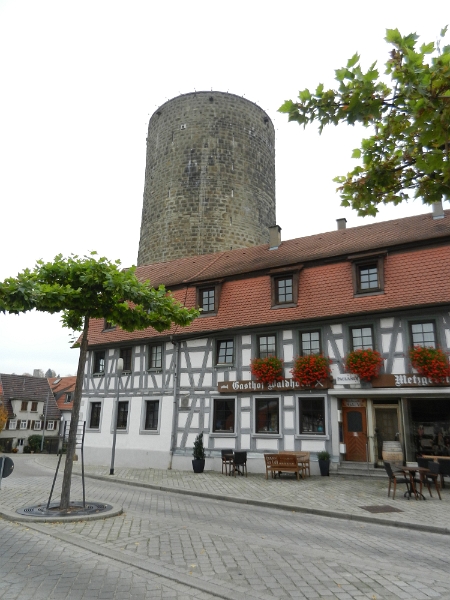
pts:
pixel 119 370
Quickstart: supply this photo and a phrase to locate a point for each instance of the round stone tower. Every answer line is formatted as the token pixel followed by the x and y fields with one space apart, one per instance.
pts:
pixel 209 179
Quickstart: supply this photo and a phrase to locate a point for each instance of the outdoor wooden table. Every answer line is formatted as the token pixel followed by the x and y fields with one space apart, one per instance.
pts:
pixel 411 471
pixel 435 458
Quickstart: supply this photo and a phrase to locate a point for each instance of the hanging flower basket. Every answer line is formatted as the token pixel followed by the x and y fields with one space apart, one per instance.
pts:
pixel 431 363
pixel 364 363
pixel 310 369
pixel 266 370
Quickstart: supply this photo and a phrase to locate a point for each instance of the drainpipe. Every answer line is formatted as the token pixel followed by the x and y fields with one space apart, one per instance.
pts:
pixel 176 390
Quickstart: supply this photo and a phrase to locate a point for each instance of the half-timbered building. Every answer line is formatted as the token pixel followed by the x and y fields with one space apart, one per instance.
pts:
pixel 384 286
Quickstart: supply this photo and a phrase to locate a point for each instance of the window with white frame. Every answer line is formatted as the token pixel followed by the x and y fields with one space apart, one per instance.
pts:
pixel 311 415
pixel 23 424
pixel 122 415
pixel 224 415
pixel 37 425
pixel 13 425
pixel 151 415
pixel 267 415
pixel 155 356
pixel 225 352
pixel 50 425
pixel 423 334
pixel 94 415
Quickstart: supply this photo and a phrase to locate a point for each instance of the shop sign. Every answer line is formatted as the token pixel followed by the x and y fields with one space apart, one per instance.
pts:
pixel 353 403
pixel 347 379
pixel 285 385
pixel 408 380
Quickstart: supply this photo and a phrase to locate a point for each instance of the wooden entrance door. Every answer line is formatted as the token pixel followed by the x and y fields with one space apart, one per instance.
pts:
pixel 355 432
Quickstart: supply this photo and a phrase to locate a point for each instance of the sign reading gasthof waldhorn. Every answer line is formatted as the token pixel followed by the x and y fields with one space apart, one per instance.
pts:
pixel 285 385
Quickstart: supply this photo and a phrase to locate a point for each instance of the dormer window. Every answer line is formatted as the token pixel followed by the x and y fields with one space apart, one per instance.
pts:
pixel 368 274
pixel 284 289
pixel 107 325
pixel 208 299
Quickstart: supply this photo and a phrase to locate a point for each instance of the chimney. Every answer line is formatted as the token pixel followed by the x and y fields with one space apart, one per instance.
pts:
pixel 274 237
pixel 438 210
pixel 341 223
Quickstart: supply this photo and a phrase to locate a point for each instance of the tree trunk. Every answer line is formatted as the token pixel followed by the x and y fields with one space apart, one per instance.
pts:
pixel 71 445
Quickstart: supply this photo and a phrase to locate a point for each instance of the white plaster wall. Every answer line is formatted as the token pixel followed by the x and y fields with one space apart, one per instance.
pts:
pixel 185 380
pixel 207 380
pixel 447 337
pixel 330 350
pixel 336 329
pixel 399 343
pixel 226 443
pixel 386 341
pixel 197 359
pixel 194 423
pixel 246 357
pixel 268 444
pixel 398 366
pixel 190 440
pixel 246 375
pixel 288 351
pixel 245 402
pixel 182 419
pixel 340 347
pixel 387 323
pixel 289 419
pixel 287 335
pixel 289 401
pixel 196 343
pixel 245 441
pixel 246 339
pixel 245 420
pixel 313 445
pixel 289 442
pixel 206 420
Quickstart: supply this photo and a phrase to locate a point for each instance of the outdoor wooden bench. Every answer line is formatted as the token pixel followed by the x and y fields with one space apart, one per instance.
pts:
pixel 282 463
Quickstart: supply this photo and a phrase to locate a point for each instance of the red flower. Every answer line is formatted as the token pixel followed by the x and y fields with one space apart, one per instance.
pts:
pixel 267 370
pixel 430 362
pixel 310 368
pixel 364 363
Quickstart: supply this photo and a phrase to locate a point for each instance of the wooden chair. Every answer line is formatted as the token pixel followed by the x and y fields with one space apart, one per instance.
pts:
pixel 397 477
pixel 227 460
pixel 444 469
pixel 302 460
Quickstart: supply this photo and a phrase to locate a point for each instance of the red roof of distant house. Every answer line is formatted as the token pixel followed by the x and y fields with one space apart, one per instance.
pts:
pixel 416 256
pixel 63 388
pixel 26 387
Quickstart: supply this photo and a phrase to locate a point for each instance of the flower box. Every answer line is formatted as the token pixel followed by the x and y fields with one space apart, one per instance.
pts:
pixel 430 362
pixel 310 369
pixel 364 363
pixel 267 370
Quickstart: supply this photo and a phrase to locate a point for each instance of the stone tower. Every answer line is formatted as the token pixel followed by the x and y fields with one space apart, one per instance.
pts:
pixel 209 179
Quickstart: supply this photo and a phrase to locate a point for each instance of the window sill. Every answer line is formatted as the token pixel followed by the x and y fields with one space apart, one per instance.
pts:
pixel 267 435
pixel 153 370
pixel 222 435
pixel 312 436
pixel 225 366
pixel 371 293
pixel 93 430
pixel 207 314
pixel 149 432
pixel 98 374
pixel 287 305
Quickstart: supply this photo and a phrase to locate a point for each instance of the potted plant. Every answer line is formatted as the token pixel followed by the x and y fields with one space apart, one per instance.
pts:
pixel 267 370
pixel 311 368
pixel 198 463
pixel 364 363
pixel 431 363
pixel 324 462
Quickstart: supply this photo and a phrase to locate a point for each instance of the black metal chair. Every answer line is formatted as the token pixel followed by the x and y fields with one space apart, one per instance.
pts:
pixel 432 477
pixel 444 469
pixel 397 477
pixel 240 462
pixel 227 460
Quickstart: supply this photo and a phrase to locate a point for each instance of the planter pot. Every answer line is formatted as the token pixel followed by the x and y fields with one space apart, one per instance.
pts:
pixel 324 466
pixel 198 464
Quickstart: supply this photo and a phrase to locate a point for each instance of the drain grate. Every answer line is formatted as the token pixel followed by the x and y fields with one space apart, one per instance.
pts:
pixel 382 508
pixel 75 509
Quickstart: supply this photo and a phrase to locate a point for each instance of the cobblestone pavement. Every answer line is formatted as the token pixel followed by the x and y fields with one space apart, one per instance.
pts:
pixel 213 548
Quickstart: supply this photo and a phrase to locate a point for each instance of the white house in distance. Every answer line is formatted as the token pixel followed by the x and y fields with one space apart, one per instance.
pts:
pixel 383 286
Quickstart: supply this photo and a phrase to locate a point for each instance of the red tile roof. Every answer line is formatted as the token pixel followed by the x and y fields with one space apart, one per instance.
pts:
pixel 61 386
pixel 414 274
